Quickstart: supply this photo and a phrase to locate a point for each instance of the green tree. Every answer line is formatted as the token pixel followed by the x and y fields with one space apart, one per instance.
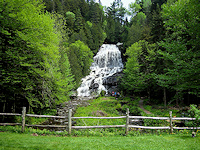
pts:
pixel 115 22
pixel 29 55
pixel 80 58
pixel 79 21
pixel 195 113
pixel 181 48
pixel 139 75
pixel 70 19
pixel 156 21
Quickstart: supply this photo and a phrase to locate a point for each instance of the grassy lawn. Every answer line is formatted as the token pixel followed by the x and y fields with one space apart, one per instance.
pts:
pixel 14 141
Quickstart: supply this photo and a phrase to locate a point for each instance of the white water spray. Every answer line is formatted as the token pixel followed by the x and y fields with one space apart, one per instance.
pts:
pixel 106 63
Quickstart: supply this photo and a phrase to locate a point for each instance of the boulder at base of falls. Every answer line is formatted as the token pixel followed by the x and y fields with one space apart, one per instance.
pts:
pixel 94 86
pixel 111 82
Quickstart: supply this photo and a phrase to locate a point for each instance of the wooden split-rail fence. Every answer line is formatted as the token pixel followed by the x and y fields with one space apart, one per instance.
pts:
pixel 69 126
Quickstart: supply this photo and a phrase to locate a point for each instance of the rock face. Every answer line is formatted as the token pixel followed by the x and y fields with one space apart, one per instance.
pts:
pixel 111 82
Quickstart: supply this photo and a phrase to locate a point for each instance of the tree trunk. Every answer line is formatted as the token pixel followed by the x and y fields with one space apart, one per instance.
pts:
pixel 188 99
pixel 177 98
pixel 149 94
pixel 53 5
pixel 165 97
pixel 4 108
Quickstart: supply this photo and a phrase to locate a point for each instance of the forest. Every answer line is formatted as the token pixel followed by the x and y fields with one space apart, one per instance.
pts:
pixel 47 46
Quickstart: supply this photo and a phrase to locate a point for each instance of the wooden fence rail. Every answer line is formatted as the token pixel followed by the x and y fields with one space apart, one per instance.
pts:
pixel 69 126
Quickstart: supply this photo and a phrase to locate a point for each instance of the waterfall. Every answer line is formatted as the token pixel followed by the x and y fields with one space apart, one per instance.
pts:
pixel 106 63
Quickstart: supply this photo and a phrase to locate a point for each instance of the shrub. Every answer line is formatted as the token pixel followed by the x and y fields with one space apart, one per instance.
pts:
pixel 194 113
pixel 103 93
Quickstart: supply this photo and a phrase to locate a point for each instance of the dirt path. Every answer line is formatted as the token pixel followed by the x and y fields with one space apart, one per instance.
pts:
pixel 141 106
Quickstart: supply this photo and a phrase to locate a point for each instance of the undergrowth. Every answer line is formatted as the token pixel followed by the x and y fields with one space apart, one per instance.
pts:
pixel 106 107
pixel 112 132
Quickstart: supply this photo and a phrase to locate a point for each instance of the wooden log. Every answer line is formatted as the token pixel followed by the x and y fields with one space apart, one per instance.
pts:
pixel 10 114
pixel 127 121
pixel 69 121
pixel 23 118
pixel 183 118
pixel 170 119
pixel 120 117
pixel 45 116
pixel 189 128
pixel 94 127
pixel 10 124
pixel 147 127
pixel 46 126
pixel 145 117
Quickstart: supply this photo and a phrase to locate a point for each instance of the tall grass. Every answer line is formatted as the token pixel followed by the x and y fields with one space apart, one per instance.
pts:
pixel 103 106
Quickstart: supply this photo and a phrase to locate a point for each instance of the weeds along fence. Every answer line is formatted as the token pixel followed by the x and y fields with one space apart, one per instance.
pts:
pixel 69 126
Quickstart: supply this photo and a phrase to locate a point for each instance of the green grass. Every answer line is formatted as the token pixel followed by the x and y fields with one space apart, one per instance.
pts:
pixel 101 107
pixel 159 110
pixel 16 141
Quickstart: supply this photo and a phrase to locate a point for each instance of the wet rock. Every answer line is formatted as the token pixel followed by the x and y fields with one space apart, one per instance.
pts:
pixel 111 82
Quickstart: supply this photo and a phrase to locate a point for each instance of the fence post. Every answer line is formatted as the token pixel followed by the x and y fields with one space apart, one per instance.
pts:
pixel 170 119
pixel 127 121
pixel 23 118
pixel 69 121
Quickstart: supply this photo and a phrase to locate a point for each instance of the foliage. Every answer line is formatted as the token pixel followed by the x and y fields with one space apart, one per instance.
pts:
pixel 30 53
pixel 133 107
pixel 195 113
pixel 78 14
pixel 139 27
pixel 156 123
pixel 171 29
pixel 139 66
pixel 80 58
pixel 116 28
pixel 70 19
pixel 103 93
pixel 159 110
pixel 46 48
pixel 181 52
pixel 156 21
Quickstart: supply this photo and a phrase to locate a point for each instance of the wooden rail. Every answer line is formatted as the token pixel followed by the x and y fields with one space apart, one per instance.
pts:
pixel 127 126
pixel 94 127
pixel 146 127
pixel 145 117
pixel 46 116
pixel 10 114
pixel 121 117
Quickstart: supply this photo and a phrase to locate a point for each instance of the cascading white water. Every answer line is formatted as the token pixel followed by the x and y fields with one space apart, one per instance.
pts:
pixel 106 63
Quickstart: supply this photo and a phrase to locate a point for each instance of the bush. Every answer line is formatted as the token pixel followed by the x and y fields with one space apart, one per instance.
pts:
pixel 195 113
pixel 103 93
pixel 151 122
